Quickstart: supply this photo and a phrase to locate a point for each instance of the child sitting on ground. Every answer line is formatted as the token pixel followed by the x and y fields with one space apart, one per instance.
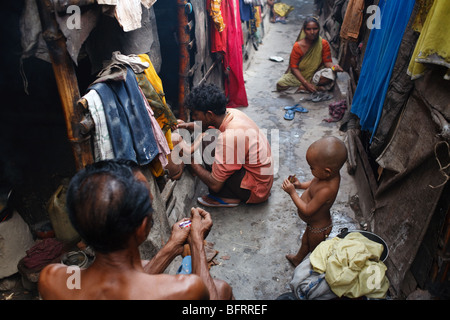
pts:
pixel 325 158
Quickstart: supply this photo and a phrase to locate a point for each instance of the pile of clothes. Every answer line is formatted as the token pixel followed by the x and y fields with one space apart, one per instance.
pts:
pixel 348 267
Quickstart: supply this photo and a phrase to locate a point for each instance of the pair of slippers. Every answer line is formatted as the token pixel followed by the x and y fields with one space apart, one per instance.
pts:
pixel 291 110
pixel 319 96
pixel 220 203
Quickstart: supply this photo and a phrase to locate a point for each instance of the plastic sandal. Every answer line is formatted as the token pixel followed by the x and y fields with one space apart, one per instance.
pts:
pixel 301 109
pixel 221 203
pixel 289 115
pixel 291 107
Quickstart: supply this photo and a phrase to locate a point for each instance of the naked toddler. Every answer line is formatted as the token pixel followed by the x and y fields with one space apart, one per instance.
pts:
pixel 325 158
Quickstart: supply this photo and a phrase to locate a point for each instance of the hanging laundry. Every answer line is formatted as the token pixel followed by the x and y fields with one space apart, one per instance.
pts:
pixel 246 10
pixel 218 38
pixel 216 14
pixel 352 20
pixel 102 142
pixel 379 60
pixel 152 86
pixel 128 122
pixel 128 13
pixel 161 142
pixel 433 45
pixel 233 63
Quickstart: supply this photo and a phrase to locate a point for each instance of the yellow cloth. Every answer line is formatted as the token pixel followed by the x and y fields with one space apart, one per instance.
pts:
pixel 151 85
pixel 433 45
pixel 419 20
pixel 216 15
pixel 282 9
pixel 352 266
pixel 258 16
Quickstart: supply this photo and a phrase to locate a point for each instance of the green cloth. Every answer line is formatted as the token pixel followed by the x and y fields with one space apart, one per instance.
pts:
pixel 352 266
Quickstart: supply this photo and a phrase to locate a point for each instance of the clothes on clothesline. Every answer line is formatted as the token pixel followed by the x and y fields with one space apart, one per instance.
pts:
pixel 379 59
pixel 229 43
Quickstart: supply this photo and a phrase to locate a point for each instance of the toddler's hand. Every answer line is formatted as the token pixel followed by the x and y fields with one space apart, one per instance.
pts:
pixel 287 186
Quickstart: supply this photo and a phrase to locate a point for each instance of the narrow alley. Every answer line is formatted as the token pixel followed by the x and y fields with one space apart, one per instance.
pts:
pixel 253 240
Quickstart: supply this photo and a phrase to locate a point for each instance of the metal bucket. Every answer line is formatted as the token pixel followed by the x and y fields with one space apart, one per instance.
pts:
pixel 371 236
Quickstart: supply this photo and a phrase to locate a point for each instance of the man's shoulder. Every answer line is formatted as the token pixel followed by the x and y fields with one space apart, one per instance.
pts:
pixel 182 286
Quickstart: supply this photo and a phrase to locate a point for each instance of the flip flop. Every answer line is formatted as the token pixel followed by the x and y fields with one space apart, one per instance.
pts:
pixel 221 204
pixel 301 109
pixel 289 115
pixel 296 108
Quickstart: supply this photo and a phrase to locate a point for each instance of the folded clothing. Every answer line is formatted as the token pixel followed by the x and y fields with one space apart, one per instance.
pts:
pixel 352 266
pixel 43 253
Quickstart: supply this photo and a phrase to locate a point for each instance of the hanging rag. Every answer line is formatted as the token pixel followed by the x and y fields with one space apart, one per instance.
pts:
pixel 102 141
pixel 232 62
pixel 128 122
pixel 161 141
pixel 379 60
pixel 152 86
pixel 433 45
pixel 216 14
pixel 352 20
pixel 218 38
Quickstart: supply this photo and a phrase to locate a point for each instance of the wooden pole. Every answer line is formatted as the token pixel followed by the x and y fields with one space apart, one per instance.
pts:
pixel 183 39
pixel 67 84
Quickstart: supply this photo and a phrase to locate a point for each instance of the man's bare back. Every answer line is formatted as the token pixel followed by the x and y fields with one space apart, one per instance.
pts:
pixel 130 285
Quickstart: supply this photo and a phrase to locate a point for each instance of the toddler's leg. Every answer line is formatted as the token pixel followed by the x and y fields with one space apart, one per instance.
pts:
pixel 302 252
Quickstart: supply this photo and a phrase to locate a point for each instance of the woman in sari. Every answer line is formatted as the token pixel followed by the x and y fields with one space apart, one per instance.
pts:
pixel 311 67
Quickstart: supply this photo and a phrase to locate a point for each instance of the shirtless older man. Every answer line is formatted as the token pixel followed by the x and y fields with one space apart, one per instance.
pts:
pixel 109 204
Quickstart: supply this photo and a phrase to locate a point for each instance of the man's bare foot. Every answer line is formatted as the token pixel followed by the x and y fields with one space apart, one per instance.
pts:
pixel 293 259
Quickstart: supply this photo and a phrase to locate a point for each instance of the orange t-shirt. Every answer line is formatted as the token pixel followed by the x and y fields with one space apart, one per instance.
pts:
pixel 297 54
pixel 242 144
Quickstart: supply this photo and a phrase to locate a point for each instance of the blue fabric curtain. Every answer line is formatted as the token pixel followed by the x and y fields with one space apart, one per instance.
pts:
pixel 379 59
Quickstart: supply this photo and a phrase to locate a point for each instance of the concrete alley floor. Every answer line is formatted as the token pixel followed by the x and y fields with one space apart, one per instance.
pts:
pixel 253 240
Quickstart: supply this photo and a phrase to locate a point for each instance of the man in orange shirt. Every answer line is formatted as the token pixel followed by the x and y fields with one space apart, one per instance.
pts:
pixel 311 67
pixel 241 166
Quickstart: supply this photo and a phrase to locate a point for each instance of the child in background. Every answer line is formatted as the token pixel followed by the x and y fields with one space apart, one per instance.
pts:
pixel 325 158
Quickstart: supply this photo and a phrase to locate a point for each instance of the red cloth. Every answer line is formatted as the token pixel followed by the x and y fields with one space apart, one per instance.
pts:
pixel 43 253
pixel 229 42
pixel 218 39
pixel 234 84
